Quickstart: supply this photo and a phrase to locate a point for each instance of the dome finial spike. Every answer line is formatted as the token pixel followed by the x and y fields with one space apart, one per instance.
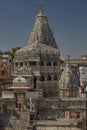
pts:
pixel 40 5
pixel 41 9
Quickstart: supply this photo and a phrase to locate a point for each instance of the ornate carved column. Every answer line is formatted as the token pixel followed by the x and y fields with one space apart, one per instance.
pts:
pixel 52 77
pixel 18 64
pixel 45 77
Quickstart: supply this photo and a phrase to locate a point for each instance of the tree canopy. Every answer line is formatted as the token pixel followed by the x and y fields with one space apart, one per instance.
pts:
pixel 11 53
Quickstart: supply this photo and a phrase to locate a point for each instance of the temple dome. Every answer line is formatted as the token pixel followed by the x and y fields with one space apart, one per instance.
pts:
pixel 19 81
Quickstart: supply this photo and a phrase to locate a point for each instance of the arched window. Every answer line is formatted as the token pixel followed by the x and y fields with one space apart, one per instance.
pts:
pixel 26 63
pixel 16 63
pixel 35 82
pixel 55 64
pixel 62 62
pixel 49 78
pixel 55 77
pixel 32 63
pixel 42 78
pixel 21 64
pixel 48 63
pixel 41 63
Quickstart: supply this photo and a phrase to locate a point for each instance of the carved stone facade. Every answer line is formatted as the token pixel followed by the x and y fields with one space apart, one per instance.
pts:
pixel 39 62
pixel 41 57
pixel 69 82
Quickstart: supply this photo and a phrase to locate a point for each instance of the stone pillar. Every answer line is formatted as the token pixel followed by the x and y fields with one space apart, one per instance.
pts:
pixel 45 63
pixel 38 66
pixel 45 77
pixel 52 64
pixel 37 63
pixel 18 64
pixel 23 64
pixel 52 77
pixel 28 63
pixel 14 66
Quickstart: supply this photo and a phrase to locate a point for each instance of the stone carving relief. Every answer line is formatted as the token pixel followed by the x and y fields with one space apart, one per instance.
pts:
pixel 24 71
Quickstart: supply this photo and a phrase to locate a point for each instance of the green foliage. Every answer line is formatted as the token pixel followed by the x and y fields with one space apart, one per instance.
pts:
pixel 1 52
pixel 14 50
pixel 11 53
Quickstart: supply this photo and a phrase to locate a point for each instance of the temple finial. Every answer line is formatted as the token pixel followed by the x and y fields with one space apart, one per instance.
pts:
pixel 41 9
pixel 40 5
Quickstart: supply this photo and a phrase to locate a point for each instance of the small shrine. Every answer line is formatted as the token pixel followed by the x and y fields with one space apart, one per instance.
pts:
pixel 20 93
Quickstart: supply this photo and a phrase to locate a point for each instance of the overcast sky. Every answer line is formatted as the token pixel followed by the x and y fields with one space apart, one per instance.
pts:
pixel 67 18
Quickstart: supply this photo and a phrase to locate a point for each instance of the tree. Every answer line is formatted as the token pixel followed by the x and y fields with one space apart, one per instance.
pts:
pixel 10 53
pixel 1 52
pixel 14 50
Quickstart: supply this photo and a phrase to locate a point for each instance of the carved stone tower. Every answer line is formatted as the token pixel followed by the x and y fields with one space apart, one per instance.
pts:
pixel 69 82
pixel 40 57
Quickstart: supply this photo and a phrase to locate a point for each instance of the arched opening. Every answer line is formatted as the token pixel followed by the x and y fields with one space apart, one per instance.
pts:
pixel 48 63
pixel 21 64
pixel 55 64
pixel 32 63
pixel 35 82
pixel 49 78
pixel 55 77
pixel 16 63
pixel 25 63
pixel 41 63
pixel 42 78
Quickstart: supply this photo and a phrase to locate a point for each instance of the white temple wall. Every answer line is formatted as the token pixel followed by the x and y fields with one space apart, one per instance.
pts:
pixel 7 94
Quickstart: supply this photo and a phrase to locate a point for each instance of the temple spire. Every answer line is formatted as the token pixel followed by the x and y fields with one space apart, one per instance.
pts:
pixel 41 32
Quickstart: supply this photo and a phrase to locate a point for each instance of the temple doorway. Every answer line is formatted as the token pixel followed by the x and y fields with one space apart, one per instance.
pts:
pixel 19 100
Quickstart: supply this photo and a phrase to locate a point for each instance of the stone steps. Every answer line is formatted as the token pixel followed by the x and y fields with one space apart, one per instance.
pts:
pixel 22 122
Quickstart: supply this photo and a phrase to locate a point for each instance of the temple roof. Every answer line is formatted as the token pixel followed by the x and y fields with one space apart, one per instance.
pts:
pixel 41 38
pixel 41 32
pixel 35 48
pixel 19 81
pixel 69 77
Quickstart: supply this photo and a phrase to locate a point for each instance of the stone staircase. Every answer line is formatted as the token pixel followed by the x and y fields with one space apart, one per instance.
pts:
pixel 21 123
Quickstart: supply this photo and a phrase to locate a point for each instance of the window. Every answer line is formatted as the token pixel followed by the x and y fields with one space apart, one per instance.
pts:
pixel 55 64
pixel 16 63
pixel 48 63
pixel 41 63
pixel 42 78
pixel 21 64
pixel 2 72
pixel 49 78
pixel 55 77
pixel 33 63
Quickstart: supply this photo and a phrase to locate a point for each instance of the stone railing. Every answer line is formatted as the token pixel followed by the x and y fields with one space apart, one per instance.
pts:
pixel 40 68
pixel 77 61
pixel 49 68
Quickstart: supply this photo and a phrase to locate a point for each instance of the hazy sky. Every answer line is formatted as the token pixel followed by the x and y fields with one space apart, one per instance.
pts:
pixel 67 18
